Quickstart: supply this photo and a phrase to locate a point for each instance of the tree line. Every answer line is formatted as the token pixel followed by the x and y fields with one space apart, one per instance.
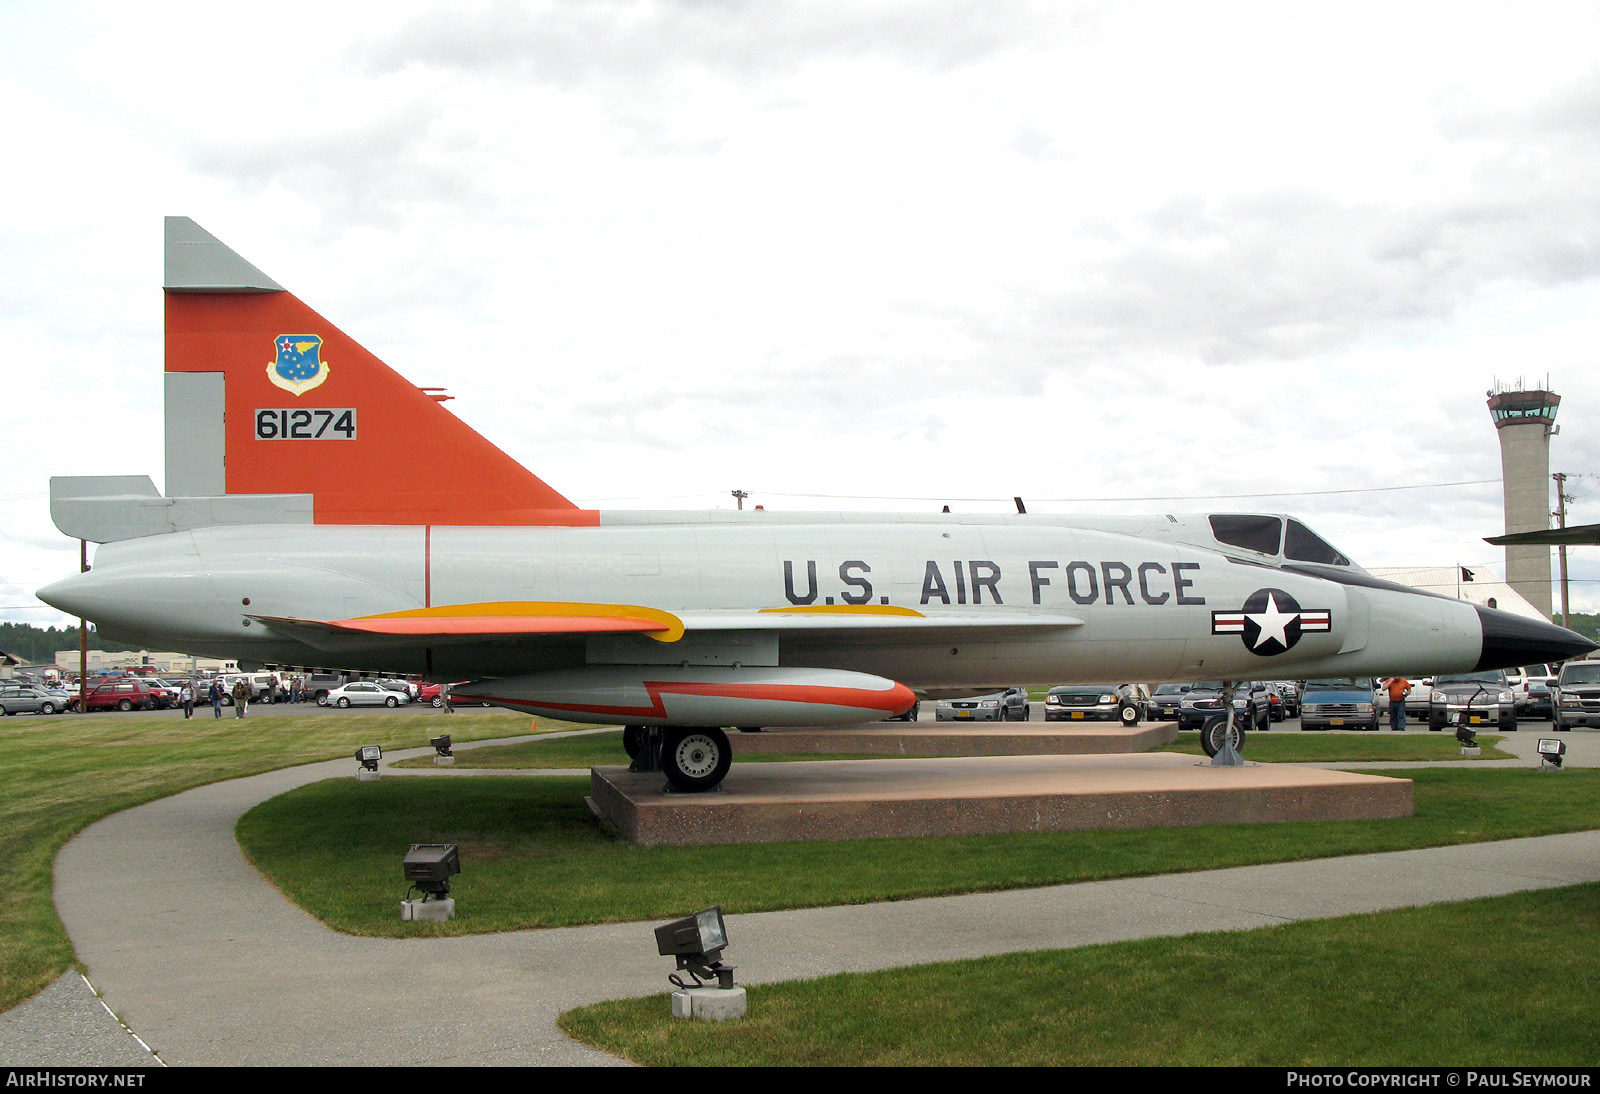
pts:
pixel 38 645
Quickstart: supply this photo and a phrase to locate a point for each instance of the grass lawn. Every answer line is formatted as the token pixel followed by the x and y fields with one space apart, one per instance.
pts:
pixel 1506 981
pixel 533 855
pixel 60 774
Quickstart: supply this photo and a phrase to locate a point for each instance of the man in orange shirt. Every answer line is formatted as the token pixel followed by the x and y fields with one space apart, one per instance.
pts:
pixel 1398 687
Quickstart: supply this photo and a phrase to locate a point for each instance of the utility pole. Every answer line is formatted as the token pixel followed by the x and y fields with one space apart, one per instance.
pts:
pixel 740 495
pixel 83 637
pixel 1561 522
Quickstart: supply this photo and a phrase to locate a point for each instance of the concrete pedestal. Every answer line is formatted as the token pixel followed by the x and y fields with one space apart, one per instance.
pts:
pixel 858 799
pixel 427 911
pixel 365 776
pixel 444 761
pixel 709 1004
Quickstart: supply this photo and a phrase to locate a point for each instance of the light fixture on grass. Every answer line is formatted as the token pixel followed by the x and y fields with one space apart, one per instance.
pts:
pixel 1551 752
pixel 1467 736
pixel 368 756
pixel 696 942
pixel 429 867
pixel 441 744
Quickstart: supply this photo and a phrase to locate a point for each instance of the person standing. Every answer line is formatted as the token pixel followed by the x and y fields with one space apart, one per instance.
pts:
pixel 186 697
pixel 241 697
pixel 215 695
pixel 1399 687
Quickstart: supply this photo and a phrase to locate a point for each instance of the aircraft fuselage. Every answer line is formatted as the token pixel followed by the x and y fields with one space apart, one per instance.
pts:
pixel 937 606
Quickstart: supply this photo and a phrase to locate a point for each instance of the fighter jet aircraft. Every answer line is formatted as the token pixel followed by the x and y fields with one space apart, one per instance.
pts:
pixel 322 513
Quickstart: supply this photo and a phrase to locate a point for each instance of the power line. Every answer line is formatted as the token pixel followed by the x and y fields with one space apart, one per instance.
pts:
pixel 1154 497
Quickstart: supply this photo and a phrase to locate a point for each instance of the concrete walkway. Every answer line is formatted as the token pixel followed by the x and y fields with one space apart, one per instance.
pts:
pixel 213 966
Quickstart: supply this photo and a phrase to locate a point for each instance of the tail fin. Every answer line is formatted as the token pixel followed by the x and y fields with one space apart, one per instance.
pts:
pixel 264 396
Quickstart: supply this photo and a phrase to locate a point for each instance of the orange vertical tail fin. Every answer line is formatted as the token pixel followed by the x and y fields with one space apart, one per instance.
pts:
pixel 264 396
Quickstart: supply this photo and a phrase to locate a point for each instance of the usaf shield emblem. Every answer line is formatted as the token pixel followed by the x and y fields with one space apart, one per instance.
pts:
pixel 298 366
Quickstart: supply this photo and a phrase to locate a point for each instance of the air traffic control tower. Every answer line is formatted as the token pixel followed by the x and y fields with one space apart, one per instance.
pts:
pixel 1526 420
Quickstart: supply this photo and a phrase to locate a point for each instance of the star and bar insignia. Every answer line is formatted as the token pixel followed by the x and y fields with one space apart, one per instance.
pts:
pixel 1271 622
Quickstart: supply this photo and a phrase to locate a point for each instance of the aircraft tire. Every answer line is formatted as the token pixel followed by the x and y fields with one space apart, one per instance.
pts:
pixel 632 740
pixel 1213 733
pixel 1128 714
pixel 695 758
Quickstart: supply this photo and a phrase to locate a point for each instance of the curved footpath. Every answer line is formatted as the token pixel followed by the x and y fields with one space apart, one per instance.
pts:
pixel 207 963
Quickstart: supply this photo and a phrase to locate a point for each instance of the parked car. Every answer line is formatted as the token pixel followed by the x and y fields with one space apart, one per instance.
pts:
pixel 120 694
pixel 1289 692
pixel 1166 702
pixel 1010 705
pixel 262 685
pixel 405 687
pixel 1343 702
pixel 1531 688
pixel 1122 703
pixel 1418 699
pixel 1472 699
pixel 910 714
pixel 318 684
pixel 1577 695
pixel 365 693
pixel 29 699
pixel 1203 701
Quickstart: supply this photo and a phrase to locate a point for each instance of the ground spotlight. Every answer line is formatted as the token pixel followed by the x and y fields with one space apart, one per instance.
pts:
pixel 696 941
pixel 368 756
pixel 441 744
pixel 1551 752
pixel 429 867
pixel 1467 736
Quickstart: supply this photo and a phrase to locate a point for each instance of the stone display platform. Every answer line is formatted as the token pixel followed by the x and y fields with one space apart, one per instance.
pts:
pixel 959 739
pixel 857 799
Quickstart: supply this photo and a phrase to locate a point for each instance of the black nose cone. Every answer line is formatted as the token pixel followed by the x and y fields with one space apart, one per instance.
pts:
pixel 1511 640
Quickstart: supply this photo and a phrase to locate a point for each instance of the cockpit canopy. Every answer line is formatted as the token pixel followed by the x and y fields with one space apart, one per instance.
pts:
pixel 1265 534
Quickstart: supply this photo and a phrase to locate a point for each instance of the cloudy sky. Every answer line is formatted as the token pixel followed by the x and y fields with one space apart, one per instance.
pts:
pixel 1107 257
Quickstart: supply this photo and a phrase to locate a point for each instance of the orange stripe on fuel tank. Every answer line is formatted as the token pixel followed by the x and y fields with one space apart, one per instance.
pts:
pixel 889 701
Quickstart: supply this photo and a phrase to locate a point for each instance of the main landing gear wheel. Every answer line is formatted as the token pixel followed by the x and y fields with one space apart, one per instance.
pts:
pixel 695 758
pixel 632 740
pixel 1128 715
pixel 1214 732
